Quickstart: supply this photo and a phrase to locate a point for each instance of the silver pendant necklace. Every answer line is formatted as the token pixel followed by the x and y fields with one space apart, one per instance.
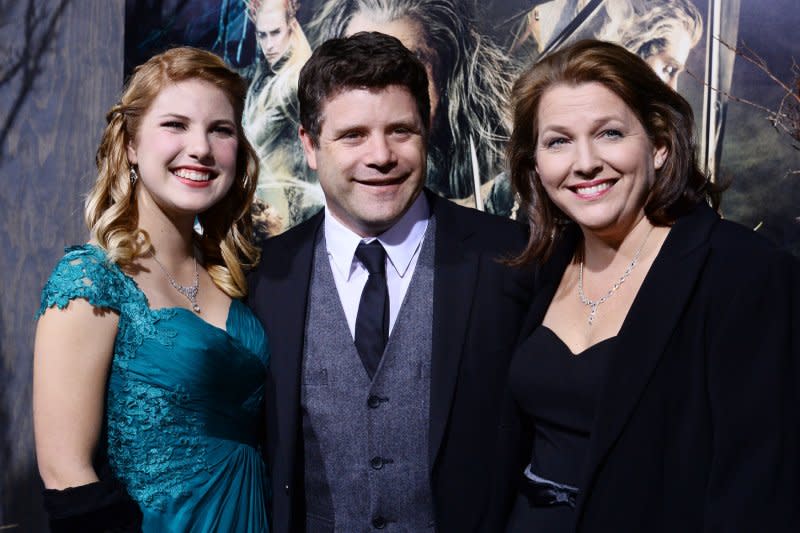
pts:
pixel 189 292
pixel 594 304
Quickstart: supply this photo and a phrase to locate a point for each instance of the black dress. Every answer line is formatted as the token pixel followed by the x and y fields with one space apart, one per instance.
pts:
pixel 558 391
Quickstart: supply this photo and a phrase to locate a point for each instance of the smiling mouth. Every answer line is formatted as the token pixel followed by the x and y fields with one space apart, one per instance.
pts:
pixel 592 190
pixel 193 175
pixel 382 182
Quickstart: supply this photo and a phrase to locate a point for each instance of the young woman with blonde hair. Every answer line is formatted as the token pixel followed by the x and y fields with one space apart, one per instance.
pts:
pixel 148 368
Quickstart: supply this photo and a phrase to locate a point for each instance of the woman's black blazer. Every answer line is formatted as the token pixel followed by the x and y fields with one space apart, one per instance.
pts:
pixel 697 424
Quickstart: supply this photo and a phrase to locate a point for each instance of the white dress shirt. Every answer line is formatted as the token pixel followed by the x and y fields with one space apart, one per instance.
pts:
pixel 402 243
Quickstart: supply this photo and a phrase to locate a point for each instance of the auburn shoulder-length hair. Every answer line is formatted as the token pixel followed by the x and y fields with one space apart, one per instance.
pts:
pixel 111 211
pixel 666 116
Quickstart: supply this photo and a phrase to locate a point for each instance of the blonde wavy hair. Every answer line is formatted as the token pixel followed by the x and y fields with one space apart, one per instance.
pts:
pixel 111 211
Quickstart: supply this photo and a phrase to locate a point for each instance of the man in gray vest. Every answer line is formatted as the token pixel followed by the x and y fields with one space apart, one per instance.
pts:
pixel 390 315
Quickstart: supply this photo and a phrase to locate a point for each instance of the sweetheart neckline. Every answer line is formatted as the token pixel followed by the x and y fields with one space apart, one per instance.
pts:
pixel 565 345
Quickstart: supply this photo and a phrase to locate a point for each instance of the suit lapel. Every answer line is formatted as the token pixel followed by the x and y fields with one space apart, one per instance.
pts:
pixel 456 271
pixel 647 329
pixel 290 301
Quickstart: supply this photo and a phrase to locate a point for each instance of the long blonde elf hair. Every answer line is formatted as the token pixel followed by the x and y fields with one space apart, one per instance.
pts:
pixel 280 92
pixel 111 211
pixel 298 50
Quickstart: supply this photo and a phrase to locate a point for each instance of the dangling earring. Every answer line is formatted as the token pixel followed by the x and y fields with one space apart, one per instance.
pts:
pixel 198 226
pixel 134 176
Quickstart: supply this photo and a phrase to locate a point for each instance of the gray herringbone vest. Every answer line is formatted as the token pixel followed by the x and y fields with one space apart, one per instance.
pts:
pixel 366 444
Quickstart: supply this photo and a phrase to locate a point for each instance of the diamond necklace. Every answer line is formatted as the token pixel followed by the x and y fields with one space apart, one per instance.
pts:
pixel 189 292
pixel 594 304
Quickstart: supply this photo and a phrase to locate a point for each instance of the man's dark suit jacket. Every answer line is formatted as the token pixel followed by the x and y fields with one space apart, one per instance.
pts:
pixel 696 424
pixel 479 305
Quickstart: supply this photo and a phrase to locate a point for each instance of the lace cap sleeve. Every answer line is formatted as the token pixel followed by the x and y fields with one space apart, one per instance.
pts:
pixel 84 272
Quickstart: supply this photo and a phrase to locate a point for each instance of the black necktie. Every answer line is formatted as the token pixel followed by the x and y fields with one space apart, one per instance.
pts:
pixel 372 321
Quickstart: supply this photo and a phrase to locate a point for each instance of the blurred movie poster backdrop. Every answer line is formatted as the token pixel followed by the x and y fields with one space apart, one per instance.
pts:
pixel 734 60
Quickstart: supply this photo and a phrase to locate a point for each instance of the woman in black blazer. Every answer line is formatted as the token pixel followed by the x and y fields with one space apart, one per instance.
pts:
pixel 656 387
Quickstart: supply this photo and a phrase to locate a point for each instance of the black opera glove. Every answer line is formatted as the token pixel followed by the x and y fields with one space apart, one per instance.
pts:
pixel 100 507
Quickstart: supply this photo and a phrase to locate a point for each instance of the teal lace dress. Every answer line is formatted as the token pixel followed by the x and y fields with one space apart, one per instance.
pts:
pixel 184 402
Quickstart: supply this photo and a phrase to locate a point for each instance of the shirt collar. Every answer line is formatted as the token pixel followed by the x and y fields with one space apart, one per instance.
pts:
pixel 401 241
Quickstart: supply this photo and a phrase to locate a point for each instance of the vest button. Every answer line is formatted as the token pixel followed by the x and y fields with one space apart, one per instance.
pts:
pixel 376 462
pixel 373 401
pixel 379 522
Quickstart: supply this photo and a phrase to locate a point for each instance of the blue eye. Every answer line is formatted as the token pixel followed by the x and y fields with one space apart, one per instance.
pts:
pixel 557 141
pixel 173 124
pixel 613 134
